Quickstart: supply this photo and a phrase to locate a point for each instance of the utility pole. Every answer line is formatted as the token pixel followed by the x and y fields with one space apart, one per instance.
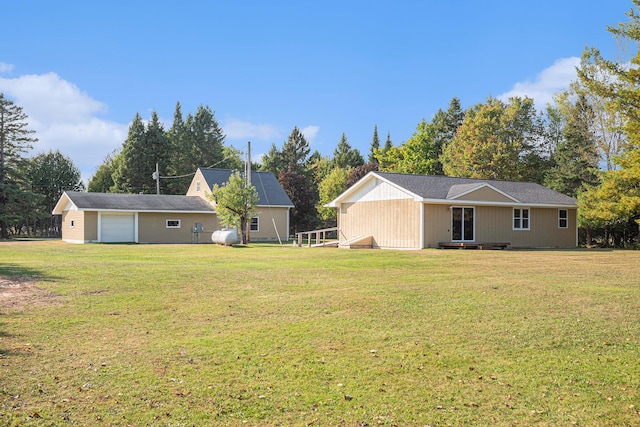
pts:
pixel 247 172
pixel 156 176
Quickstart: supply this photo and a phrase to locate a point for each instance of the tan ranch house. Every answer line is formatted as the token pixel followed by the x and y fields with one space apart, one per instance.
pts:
pixel 150 218
pixel 391 210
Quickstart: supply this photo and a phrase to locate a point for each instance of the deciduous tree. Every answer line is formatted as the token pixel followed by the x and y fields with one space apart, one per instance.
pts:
pixel 497 140
pixel 330 188
pixel 235 203
pixel 50 175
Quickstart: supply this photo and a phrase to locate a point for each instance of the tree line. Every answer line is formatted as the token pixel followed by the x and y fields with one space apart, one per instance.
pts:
pixel 585 144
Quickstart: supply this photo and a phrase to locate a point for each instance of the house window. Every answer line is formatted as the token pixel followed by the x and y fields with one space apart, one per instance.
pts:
pixel 173 223
pixel 520 219
pixel 72 223
pixel 563 218
pixel 255 224
pixel 197 186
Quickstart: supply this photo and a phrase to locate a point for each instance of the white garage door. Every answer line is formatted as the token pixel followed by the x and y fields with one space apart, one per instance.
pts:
pixel 117 228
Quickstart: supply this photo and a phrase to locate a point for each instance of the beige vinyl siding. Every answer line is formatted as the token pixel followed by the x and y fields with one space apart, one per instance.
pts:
pixel 85 227
pixel 437 225
pixel 495 224
pixel 485 194
pixel 204 190
pixel 152 227
pixel 391 223
pixel 266 230
pixel 76 233
pixel 91 226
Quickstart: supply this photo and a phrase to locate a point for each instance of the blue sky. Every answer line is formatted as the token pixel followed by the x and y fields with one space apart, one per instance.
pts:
pixel 81 70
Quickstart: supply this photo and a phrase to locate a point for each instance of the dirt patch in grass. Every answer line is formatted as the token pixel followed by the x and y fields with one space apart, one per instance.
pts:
pixel 23 292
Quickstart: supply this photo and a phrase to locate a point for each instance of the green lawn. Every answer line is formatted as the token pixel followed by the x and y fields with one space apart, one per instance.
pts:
pixel 267 335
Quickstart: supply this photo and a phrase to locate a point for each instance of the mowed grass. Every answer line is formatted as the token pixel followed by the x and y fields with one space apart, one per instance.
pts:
pixel 268 335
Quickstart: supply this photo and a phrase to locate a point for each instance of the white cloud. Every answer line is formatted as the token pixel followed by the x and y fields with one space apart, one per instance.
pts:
pixel 65 119
pixel 237 129
pixel 550 81
pixel 310 133
pixel 5 68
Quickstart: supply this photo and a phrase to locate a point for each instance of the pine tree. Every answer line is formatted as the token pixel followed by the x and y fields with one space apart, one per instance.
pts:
pixel 576 156
pixel 344 156
pixel 375 145
pixel 15 142
pixel 444 125
pixel 295 152
pixel 102 179
pixel 132 172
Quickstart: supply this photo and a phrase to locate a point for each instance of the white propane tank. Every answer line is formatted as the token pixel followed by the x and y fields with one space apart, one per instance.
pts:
pixel 226 236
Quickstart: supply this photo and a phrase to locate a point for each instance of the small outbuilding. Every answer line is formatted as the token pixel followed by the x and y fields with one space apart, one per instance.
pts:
pixel 392 210
pixel 139 218
pixel 150 218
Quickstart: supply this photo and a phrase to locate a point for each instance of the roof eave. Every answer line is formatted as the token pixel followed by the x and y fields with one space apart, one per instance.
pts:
pixel 491 203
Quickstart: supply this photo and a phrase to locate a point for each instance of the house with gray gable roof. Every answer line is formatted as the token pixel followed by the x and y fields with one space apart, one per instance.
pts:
pixel 151 218
pixel 391 210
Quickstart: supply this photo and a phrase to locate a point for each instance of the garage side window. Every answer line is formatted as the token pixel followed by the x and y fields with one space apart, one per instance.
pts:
pixel 563 218
pixel 173 223
pixel 255 224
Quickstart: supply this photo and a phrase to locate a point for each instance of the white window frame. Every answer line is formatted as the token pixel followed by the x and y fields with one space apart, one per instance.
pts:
pixel 257 224
pixel 197 186
pixel 178 225
pixel 521 219
pixel 564 219
pixel 72 223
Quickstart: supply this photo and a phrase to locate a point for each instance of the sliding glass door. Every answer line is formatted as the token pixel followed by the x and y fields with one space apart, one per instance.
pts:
pixel 462 224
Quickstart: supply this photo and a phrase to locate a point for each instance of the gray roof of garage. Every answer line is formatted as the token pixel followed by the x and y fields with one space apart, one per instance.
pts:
pixel 138 202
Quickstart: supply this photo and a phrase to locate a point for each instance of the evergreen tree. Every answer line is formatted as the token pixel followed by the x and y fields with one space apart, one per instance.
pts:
pixel 346 157
pixel 131 169
pixel 205 140
pixel 179 165
pixel 273 161
pixel 295 152
pixel 388 144
pixel 617 199
pixel 158 148
pixel 15 142
pixel 375 145
pixel 304 196
pixel 444 126
pixel 576 157
pixel 102 179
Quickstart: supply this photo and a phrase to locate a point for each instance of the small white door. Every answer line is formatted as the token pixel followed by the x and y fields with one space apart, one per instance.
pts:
pixel 117 228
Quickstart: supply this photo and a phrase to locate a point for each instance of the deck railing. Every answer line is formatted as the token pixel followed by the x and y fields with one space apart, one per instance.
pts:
pixel 320 236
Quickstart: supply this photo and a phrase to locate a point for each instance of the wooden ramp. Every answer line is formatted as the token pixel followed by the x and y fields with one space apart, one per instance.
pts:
pixel 358 242
pixel 473 245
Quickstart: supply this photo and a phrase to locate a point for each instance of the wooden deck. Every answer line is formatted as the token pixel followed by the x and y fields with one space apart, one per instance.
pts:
pixel 473 245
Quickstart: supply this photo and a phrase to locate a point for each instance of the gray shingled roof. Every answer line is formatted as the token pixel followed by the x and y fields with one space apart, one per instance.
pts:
pixel 138 202
pixel 444 187
pixel 269 189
